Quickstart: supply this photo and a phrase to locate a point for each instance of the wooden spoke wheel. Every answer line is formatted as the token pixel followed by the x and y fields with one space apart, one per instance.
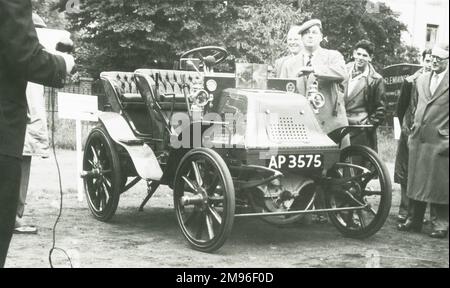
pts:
pixel 101 174
pixel 204 199
pixel 368 184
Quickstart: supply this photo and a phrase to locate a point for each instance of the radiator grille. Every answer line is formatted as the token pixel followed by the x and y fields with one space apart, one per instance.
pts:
pixel 288 130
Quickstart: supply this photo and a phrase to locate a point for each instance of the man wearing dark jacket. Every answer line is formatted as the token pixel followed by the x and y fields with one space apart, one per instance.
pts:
pixel 406 106
pixel 364 95
pixel 22 59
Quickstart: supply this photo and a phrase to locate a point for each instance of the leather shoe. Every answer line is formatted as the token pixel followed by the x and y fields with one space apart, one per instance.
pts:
pixel 409 226
pixel 401 218
pixel 439 234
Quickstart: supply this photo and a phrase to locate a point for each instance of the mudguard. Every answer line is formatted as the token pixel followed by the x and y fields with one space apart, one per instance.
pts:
pixel 143 157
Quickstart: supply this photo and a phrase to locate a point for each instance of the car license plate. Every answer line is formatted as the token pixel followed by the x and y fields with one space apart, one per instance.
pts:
pixel 296 161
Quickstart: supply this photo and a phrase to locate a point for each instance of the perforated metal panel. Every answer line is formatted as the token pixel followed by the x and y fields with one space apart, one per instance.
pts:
pixel 288 130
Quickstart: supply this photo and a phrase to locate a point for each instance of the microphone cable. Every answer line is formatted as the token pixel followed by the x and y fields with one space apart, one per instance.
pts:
pixel 54 248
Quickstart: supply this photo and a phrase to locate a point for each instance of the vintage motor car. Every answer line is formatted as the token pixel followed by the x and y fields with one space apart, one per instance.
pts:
pixel 228 149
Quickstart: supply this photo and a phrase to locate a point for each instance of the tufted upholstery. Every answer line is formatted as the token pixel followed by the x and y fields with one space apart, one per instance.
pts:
pixel 124 85
pixel 170 82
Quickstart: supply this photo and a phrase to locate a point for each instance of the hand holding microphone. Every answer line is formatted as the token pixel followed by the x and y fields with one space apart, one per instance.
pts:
pixel 63 48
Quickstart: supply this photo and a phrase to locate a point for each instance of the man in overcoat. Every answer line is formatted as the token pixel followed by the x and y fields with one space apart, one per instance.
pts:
pixel 327 67
pixel 428 167
pixel 364 95
pixel 22 59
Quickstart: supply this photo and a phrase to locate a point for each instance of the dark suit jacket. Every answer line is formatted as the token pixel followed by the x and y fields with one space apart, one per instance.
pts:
pixel 407 101
pixel 22 59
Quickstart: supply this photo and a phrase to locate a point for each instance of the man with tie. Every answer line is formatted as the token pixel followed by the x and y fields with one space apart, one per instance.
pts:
pixel 364 95
pixel 428 144
pixel 325 69
pixel 315 64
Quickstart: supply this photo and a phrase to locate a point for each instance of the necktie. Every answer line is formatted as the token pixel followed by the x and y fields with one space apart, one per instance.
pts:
pixel 434 83
pixel 305 78
pixel 308 63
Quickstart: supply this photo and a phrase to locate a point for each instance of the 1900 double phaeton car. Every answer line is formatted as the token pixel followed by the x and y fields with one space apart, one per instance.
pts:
pixel 262 153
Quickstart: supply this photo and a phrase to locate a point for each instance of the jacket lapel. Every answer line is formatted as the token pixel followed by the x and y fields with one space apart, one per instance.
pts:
pixel 441 89
pixel 319 58
pixel 302 80
pixel 357 89
pixel 424 86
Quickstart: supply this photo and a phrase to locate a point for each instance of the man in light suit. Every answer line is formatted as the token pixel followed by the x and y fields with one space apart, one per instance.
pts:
pixel 327 67
pixel 428 144
pixel 364 95
pixel 313 66
pixel 294 46
pixel 22 59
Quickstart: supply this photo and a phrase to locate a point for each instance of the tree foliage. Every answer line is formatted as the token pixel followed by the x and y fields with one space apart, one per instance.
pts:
pixel 52 19
pixel 345 22
pixel 130 34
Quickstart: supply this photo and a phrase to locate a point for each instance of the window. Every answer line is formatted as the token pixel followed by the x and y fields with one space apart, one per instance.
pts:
pixel 432 31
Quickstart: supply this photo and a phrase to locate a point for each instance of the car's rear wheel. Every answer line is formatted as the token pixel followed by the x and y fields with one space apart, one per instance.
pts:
pixel 366 182
pixel 204 199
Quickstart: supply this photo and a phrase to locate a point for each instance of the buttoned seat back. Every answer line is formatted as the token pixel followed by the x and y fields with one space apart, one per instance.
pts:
pixel 170 86
pixel 123 86
pixel 123 96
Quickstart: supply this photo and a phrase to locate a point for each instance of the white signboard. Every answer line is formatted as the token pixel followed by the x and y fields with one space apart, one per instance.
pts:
pixel 78 107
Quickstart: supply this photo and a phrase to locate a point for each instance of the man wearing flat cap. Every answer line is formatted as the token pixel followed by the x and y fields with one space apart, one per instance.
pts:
pixel 429 148
pixel 327 67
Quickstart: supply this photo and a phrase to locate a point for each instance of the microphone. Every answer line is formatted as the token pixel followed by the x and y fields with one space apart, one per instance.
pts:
pixel 64 47
pixel 67 47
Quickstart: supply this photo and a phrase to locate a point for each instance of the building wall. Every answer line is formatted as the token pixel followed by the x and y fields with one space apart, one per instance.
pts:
pixel 416 14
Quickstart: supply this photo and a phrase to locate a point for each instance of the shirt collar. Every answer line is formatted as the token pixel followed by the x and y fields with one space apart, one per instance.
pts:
pixel 306 55
pixel 442 74
pixel 363 74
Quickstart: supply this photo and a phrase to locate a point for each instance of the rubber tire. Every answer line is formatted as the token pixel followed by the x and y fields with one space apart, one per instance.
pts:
pixel 385 202
pixel 116 179
pixel 229 212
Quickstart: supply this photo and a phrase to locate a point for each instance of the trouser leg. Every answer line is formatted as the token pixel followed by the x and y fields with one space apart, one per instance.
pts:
pixel 432 212
pixel 319 203
pixel 440 211
pixel 24 180
pixel 416 212
pixel 9 195
pixel 403 201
